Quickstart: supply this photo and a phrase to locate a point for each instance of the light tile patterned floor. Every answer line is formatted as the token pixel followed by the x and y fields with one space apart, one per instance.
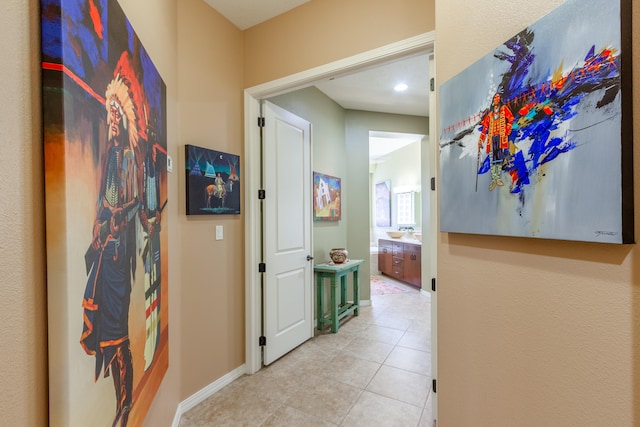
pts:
pixel 376 371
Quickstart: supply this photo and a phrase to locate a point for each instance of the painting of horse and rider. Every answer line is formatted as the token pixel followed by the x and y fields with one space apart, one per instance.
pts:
pixel 213 181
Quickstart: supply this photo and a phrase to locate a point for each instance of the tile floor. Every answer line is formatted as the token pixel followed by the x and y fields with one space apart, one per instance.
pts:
pixel 376 371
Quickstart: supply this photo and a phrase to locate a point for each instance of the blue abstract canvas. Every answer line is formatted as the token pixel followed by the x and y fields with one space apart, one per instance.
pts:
pixel 535 137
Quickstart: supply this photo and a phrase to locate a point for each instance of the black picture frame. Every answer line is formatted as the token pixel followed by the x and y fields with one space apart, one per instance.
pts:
pixel 212 182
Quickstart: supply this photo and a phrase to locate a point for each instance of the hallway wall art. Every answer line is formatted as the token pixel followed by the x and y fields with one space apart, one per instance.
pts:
pixel 327 197
pixel 105 148
pixel 213 181
pixel 536 136
pixel 383 203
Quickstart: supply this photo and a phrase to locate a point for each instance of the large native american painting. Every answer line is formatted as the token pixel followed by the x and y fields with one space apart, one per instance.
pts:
pixel 105 133
pixel 535 137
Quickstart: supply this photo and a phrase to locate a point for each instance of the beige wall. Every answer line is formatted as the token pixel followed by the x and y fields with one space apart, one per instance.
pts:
pixel 324 31
pixel 211 277
pixel 23 368
pixel 532 332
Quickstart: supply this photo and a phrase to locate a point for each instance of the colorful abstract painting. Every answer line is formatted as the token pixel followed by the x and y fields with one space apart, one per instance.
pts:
pixel 213 181
pixel 105 145
pixel 535 137
pixel 326 198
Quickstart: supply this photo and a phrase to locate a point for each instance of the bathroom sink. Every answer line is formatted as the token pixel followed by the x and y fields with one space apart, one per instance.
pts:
pixel 395 234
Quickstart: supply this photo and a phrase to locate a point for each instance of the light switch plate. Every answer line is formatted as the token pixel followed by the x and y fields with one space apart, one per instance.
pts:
pixel 219 232
pixel 169 164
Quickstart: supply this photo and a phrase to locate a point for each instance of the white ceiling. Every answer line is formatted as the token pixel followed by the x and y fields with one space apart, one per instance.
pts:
pixel 383 143
pixel 368 89
pixel 372 89
pixel 247 13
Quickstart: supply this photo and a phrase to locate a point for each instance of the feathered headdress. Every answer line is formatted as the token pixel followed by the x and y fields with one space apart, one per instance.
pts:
pixel 117 95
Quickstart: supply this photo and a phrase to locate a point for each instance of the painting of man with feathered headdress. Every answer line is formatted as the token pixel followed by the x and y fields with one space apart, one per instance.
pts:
pixel 104 106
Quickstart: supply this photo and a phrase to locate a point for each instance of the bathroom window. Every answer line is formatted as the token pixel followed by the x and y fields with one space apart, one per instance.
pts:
pixel 405 208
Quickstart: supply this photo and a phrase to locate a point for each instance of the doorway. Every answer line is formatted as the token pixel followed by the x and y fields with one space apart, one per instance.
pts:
pixel 395 186
pixel 253 238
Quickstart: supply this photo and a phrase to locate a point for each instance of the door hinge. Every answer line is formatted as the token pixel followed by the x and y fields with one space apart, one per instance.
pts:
pixel 261 194
pixel 262 341
pixel 260 122
pixel 433 385
pixel 262 267
pixel 432 84
pixel 433 183
pixel 433 284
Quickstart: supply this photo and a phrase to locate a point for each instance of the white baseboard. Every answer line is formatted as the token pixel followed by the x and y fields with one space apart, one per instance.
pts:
pixel 200 396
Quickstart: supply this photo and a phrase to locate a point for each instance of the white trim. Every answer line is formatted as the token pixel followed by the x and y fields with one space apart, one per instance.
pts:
pixel 252 95
pixel 253 241
pixel 420 43
pixel 200 396
pixel 432 227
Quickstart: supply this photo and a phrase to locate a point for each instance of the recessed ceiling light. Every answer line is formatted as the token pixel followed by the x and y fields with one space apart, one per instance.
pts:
pixel 400 87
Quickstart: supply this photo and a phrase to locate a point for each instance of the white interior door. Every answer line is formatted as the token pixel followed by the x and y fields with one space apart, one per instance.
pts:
pixel 288 285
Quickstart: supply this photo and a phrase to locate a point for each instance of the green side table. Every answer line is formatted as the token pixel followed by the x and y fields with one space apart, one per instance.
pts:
pixel 333 272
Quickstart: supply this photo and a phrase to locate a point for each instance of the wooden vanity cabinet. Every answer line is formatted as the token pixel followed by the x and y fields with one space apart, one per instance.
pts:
pixel 385 256
pixel 397 271
pixel 412 264
pixel 400 260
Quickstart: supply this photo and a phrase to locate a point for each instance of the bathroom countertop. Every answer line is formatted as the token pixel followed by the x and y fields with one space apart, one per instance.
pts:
pixel 403 239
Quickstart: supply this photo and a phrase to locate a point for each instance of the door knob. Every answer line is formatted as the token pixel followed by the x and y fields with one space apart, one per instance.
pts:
pixel 309 257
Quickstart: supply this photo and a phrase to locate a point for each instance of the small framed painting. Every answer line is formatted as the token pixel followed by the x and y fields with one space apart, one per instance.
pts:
pixel 213 181
pixel 326 198
pixel 383 204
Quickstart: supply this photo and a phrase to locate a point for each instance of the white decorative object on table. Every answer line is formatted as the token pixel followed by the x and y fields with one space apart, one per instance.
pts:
pixel 338 255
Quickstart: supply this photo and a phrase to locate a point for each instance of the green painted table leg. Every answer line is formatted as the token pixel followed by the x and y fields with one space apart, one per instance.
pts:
pixel 334 304
pixel 320 300
pixel 356 292
pixel 343 289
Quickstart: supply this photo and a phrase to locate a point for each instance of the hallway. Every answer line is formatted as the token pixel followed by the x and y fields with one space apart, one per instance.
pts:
pixel 376 371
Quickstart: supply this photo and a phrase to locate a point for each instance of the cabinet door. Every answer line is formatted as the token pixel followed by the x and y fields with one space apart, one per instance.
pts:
pixel 385 257
pixel 412 264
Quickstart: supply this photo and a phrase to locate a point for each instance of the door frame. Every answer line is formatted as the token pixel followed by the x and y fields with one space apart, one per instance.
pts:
pixel 253 173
